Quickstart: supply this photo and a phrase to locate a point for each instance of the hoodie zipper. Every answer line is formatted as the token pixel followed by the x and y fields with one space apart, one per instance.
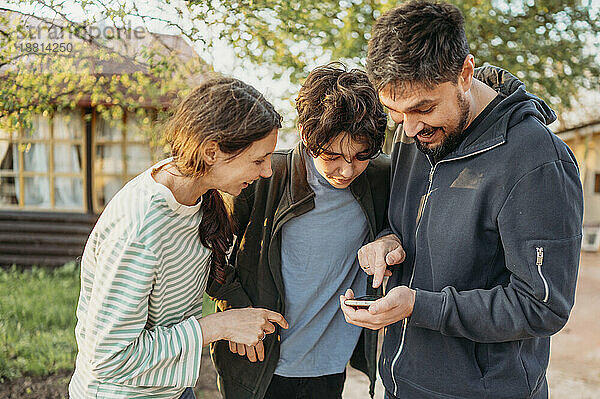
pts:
pixel 539 261
pixel 405 321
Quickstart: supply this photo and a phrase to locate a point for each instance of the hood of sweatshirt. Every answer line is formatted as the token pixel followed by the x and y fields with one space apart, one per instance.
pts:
pixel 514 108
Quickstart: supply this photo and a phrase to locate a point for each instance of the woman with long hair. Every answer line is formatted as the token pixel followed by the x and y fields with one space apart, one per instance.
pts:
pixel 140 329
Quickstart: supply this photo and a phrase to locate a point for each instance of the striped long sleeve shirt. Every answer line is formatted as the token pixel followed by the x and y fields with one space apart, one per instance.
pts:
pixel 143 275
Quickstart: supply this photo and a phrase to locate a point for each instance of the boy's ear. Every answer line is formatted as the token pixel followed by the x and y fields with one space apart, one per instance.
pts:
pixel 303 138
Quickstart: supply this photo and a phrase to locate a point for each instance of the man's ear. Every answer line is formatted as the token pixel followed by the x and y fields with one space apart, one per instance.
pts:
pixel 210 152
pixel 465 79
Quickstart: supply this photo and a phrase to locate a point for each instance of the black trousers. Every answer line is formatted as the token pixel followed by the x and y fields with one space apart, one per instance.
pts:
pixel 322 387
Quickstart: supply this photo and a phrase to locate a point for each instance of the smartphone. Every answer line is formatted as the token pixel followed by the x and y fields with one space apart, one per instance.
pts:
pixel 362 301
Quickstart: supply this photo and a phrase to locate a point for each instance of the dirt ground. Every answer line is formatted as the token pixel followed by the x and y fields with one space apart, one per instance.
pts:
pixel 574 371
pixel 56 386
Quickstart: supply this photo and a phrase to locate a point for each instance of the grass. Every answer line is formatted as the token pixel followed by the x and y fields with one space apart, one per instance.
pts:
pixel 37 320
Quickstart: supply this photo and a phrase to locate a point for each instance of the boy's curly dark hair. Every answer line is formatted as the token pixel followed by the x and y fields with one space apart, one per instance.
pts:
pixel 334 101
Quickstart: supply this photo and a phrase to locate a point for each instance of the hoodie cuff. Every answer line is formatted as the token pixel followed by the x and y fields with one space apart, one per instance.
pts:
pixel 427 312
pixel 383 233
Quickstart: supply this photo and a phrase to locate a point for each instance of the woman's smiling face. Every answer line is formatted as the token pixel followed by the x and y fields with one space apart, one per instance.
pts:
pixel 232 175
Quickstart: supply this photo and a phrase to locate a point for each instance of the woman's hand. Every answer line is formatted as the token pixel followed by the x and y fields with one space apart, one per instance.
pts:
pixel 244 326
pixel 254 353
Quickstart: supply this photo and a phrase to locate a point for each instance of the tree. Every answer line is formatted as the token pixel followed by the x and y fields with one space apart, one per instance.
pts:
pixel 551 46
pixel 53 58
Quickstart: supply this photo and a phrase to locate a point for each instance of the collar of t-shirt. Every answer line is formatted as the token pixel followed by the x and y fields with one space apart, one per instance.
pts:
pixel 173 204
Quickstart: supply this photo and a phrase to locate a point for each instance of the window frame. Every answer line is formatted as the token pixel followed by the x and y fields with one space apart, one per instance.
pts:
pixel 124 142
pixel 21 141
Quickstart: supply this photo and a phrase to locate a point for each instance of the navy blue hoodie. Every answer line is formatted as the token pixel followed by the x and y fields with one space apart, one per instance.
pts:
pixel 492 235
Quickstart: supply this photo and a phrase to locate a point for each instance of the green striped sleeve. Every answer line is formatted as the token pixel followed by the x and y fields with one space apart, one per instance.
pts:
pixel 125 352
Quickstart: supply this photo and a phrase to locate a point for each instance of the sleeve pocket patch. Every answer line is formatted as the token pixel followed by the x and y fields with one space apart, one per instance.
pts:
pixel 553 265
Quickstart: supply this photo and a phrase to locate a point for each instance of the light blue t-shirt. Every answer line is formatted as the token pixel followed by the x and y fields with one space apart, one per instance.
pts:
pixel 319 263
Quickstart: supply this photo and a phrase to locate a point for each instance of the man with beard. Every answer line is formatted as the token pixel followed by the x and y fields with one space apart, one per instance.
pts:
pixel 485 219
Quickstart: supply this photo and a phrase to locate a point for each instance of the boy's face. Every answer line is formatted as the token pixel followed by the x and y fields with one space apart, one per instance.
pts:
pixel 338 163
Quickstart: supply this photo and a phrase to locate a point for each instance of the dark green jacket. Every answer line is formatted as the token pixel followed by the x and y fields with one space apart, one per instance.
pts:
pixel 255 279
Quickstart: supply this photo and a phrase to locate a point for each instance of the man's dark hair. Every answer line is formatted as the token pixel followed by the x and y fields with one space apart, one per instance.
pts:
pixel 418 43
pixel 334 101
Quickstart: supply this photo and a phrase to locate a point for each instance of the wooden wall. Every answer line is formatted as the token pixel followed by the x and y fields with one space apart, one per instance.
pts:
pixel 38 238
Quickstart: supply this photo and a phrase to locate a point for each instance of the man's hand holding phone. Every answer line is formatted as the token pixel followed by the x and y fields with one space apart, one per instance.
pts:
pixel 398 304
pixel 362 301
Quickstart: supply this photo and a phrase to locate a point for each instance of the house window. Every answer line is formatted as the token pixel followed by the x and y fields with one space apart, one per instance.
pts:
pixel 597 183
pixel 120 152
pixel 41 166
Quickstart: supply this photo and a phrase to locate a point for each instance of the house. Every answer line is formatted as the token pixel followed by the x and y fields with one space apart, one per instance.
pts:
pixel 584 141
pixel 57 175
